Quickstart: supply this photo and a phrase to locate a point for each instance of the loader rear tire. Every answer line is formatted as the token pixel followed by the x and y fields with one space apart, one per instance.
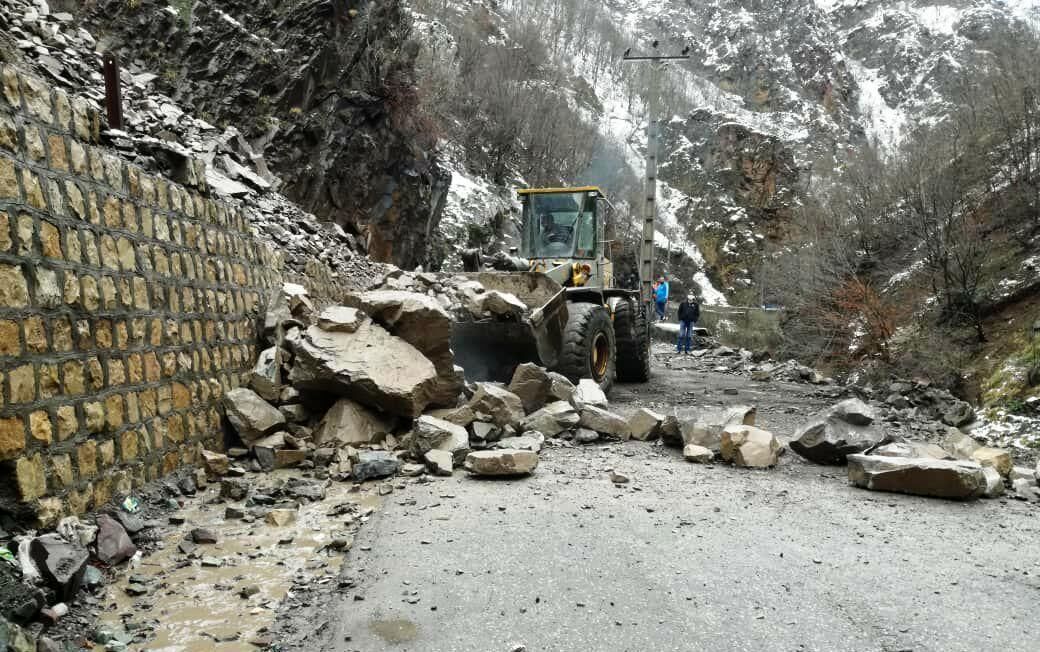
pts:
pixel 633 342
pixel 589 350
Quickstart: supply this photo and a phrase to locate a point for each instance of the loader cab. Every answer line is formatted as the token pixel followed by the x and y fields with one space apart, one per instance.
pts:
pixel 561 223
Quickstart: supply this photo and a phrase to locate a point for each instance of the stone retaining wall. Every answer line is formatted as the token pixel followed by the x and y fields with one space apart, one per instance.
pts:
pixel 128 305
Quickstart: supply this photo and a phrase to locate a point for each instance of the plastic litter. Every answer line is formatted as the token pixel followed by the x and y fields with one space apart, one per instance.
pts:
pixel 8 556
pixel 29 571
pixel 135 561
pixel 131 505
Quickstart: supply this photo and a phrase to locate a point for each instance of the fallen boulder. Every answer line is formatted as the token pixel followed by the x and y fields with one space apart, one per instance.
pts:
pixel 504 407
pixel 531 383
pixel 645 424
pixel 959 444
pixel 912 449
pixel 997 458
pixel 370 366
pixel 266 377
pixel 501 462
pixel 349 423
pixel 588 392
pixel 529 441
pixel 842 430
pixel 430 433
pixel 375 464
pixel 552 419
pixel 560 387
pixel 706 428
pixel 671 431
pixel 61 563
pixel 698 454
pixel 420 320
pixel 439 462
pixel 113 543
pixel 604 422
pixel 749 446
pixel 919 476
pixel 994 483
pixel 251 416
pixel 289 306
pixel 216 464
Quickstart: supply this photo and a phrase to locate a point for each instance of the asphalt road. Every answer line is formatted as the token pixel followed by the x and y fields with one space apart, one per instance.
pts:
pixel 687 557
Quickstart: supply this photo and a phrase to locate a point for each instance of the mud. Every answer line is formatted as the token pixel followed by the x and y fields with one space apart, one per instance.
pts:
pixel 195 606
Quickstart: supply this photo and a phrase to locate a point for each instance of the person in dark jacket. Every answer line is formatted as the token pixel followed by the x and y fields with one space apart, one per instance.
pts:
pixel 689 313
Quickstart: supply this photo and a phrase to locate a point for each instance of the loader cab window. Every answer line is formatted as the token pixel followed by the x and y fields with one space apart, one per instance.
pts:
pixel 559 225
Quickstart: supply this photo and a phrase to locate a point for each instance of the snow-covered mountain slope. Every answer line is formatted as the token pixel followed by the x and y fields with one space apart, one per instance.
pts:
pixel 776 97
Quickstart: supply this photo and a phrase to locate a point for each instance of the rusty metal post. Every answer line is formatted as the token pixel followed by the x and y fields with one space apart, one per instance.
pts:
pixel 113 91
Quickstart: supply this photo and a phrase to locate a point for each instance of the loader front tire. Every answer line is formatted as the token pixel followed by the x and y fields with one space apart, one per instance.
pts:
pixel 589 350
pixel 633 342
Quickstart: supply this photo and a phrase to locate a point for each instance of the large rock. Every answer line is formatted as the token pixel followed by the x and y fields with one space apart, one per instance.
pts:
pixel 912 449
pixel 706 428
pixel 113 543
pixel 749 446
pixel 560 387
pixel 957 413
pixel 349 423
pixel 994 483
pixel 289 306
pixel 430 433
pixel 370 366
pixel 920 476
pixel 251 416
pixel 529 441
pixel 216 464
pixel 997 458
pixel 531 383
pixel 588 392
pixel 504 407
pixel 845 429
pixel 671 431
pixel 421 321
pixel 374 464
pixel 604 422
pixel 266 377
pixel 959 445
pixel 645 424
pixel 552 419
pixel 501 462
pixel 61 563
pixel 460 416
pixel 439 462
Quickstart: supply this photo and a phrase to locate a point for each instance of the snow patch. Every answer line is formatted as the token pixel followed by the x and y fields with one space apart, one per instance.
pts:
pixel 886 125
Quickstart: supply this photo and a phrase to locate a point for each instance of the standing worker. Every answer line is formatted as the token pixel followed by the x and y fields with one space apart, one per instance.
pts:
pixel 689 313
pixel 661 297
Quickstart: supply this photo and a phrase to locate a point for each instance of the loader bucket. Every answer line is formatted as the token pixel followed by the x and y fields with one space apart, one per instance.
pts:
pixel 490 349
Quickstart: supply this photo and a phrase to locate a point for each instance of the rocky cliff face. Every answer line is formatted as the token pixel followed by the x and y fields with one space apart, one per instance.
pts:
pixel 324 91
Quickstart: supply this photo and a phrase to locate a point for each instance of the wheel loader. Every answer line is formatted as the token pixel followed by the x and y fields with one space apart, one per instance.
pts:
pixel 578 322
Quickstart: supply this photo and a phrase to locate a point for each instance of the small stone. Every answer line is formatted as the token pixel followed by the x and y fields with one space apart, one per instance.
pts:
pixel 203 535
pixel 698 454
pixel 280 517
pixel 618 478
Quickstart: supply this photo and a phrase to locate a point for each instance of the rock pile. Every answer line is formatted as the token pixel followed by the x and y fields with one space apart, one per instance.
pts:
pixel 359 391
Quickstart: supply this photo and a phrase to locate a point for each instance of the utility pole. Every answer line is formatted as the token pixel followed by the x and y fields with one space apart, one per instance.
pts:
pixel 653 129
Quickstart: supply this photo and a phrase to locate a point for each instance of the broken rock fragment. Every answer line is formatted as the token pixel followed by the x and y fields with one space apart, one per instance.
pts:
pixel 375 464
pixel 531 383
pixel 349 423
pixel 844 429
pixel 370 366
pixel 439 462
pixel 749 446
pixel 501 462
pixel 250 415
pixel 698 454
pixel 706 428
pixel 421 321
pixel 588 392
pixel 996 458
pixel 60 562
pixel 430 433
pixel 604 422
pixel 504 407
pixel 645 424
pixel 216 464
pixel 113 543
pixel 552 419
pixel 920 476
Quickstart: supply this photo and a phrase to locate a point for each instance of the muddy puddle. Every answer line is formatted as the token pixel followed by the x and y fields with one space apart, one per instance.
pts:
pixel 194 605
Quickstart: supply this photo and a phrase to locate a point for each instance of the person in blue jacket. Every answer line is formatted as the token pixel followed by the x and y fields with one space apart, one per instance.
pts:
pixel 661 297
